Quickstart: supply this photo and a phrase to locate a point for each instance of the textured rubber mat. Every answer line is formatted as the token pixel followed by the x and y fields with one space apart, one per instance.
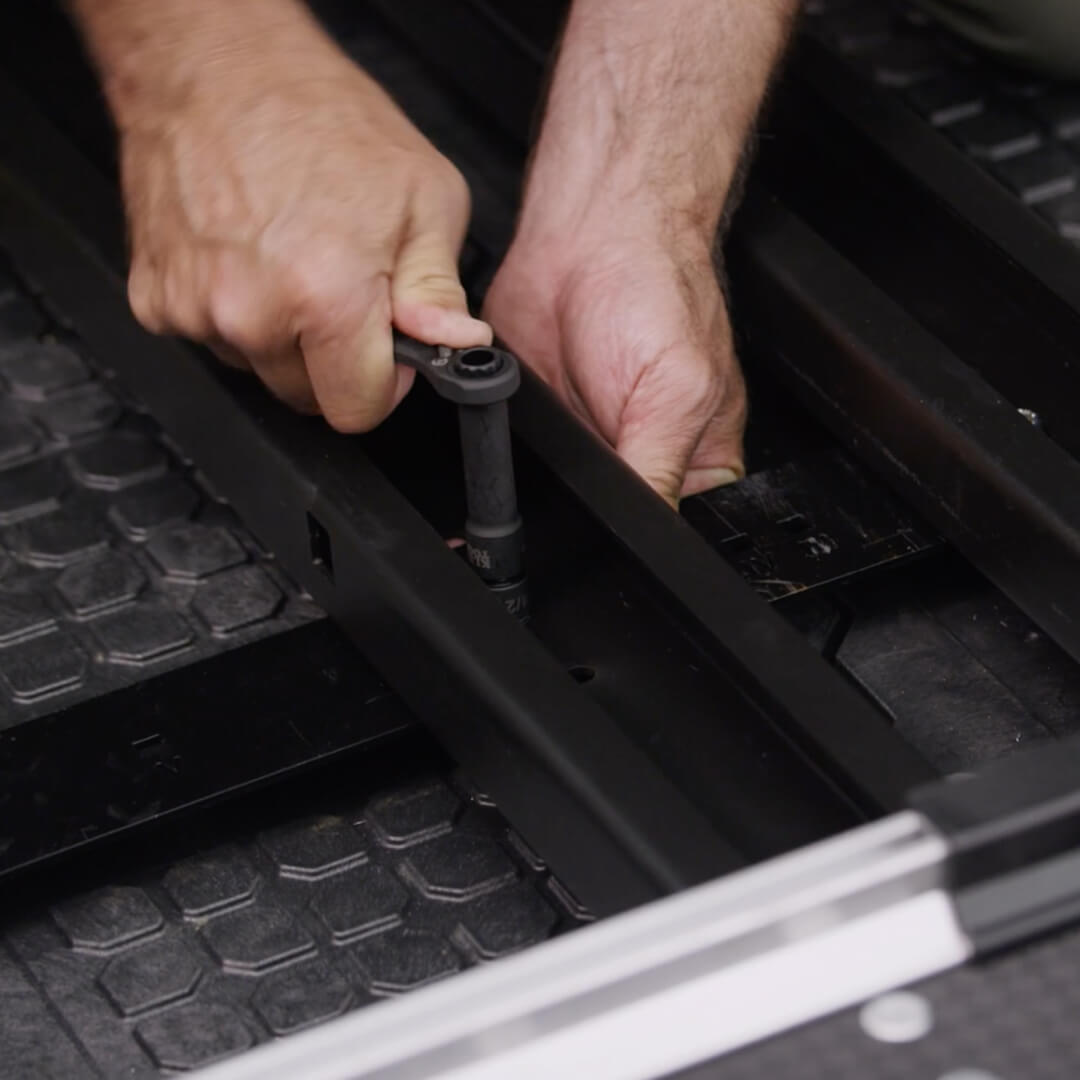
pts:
pixel 959 671
pixel 116 561
pixel 1023 130
pixel 266 934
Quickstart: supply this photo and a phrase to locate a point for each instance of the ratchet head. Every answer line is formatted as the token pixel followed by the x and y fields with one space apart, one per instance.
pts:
pixel 480 376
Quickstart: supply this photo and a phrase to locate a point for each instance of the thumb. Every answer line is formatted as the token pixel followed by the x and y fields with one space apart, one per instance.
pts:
pixel 428 298
pixel 718 458
pixel 664 418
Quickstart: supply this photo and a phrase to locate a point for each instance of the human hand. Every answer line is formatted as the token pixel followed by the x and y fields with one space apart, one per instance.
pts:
pixel 283 210
pixel 609 288
pixel 631 330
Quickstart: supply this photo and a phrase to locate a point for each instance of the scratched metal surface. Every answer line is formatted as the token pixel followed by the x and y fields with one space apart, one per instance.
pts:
pixel 807 524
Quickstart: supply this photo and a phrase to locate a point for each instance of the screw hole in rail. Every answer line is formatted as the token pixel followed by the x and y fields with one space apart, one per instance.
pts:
pixel 322 553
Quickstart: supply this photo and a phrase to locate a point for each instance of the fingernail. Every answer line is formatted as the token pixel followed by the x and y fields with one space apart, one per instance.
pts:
pixel 708 479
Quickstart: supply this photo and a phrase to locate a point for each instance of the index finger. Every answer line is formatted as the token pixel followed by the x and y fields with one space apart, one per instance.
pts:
pixel 348 350
pixel 664 418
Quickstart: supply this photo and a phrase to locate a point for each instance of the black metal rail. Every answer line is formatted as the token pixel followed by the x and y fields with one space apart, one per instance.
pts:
pixel 123 761
pixel 992 482
pixel 970 263
pixel 719 737
pixel 932 228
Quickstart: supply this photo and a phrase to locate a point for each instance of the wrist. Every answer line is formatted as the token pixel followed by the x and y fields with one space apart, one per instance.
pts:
pixel 647 119
pixel 611 217
pixel 590 179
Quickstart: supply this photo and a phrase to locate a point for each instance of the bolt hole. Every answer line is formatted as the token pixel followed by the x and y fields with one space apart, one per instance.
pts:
pixel 476 358
pixel 322 551
pixel 582 673
pixel 479 362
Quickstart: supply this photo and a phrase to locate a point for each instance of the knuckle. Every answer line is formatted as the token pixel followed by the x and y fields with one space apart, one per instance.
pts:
pixel 230 356
pixel 297 397
pixel 141 300
pixel 436 285
pixel 305 282
pixel 287 379
pixel 234 319
pixel 729 384
pixel 711 394
pixel 350 420
pixel 314 280
pixel 457 186
pixel 183 312
pixel 697 382
pixel 239 310
pixel 449 177
pixel 445 186
pixel 353 410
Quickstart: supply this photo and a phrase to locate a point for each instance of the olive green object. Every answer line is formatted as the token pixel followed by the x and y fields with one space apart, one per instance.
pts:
pixel 1041 35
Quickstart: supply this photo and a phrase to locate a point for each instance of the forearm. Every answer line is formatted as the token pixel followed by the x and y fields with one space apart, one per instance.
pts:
pixel 154 56
pixel 651 105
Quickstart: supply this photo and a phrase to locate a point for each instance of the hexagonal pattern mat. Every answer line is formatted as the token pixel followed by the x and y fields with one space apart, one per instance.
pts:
pixel 267 934
pixel 116 563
